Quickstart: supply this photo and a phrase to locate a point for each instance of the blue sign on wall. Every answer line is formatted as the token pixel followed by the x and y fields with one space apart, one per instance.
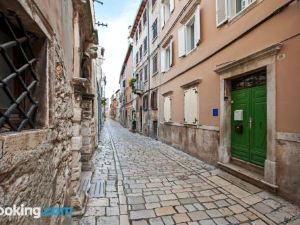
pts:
pixel 215 112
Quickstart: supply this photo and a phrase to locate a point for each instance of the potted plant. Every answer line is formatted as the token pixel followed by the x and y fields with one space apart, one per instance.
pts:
pixel 132 82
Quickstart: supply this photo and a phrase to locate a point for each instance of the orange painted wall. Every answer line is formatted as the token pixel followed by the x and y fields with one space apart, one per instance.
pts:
pixel 275 30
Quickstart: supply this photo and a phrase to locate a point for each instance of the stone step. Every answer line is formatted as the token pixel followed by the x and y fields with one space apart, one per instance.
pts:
pixel 252 177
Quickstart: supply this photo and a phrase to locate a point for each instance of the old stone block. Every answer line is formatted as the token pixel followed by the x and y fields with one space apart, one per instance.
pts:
pixel 108 220
pixel 198 215
pixel 95 211
pixel 181 218
pixel 140 222
pixel 76 130
pixel 167 197
pixel 237 208
pixel 113 211
pixel 151 198
pixel 124 220
pixel 156 221
pixel 77 115
pixel 135 200
pixel 167 220
pixel 24 141
pixel 142 214
pixel 76 143
pixel 165 211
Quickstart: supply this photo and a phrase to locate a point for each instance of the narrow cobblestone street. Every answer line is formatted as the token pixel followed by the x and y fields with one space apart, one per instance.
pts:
pixel 148 182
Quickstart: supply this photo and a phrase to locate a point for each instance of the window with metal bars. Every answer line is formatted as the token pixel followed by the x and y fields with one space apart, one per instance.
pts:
pixel 18 78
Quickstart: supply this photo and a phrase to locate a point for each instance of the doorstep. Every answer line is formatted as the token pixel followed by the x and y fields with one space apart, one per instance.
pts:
pixel 252 176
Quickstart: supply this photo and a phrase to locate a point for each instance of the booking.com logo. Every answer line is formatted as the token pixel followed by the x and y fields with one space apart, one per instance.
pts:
pixel 35 212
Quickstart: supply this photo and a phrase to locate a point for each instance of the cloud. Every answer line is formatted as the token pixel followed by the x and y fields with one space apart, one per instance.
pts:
pixel 115 41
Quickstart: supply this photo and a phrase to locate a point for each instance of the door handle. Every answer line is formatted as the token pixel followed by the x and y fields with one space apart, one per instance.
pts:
pixel 250 122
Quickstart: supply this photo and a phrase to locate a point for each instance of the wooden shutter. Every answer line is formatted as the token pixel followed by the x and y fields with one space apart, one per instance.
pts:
pixel 172 5
pixel 171 54
pixel 181 41
pixel 167 109
pixel 187 106
pixel 194 105
pixel 221 11
pixel 191 106
pixel 197 25
pixel 162 15
pixel 163 61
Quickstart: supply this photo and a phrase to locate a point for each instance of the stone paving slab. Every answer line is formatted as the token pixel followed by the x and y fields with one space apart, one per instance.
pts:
pixel 150 183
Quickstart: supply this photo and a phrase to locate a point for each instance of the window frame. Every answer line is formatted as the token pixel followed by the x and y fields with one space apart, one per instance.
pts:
pixel 167 62
pixel 141 52
pixel 145 103
pixel 156 29
pixel 22 113
pixel 154 100
pixel 155 56
pixel 145 44
pixel 229 10
pixel 145 69
pixel 169 96
pixel 192 20
pixel 145 18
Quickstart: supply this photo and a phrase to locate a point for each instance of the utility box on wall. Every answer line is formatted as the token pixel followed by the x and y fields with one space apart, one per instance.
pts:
pixel 238 115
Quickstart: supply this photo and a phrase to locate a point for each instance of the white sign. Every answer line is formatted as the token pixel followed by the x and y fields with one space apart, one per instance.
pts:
pixel 238 115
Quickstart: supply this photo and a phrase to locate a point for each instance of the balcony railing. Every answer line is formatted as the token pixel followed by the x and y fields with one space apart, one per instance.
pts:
pixel 138 87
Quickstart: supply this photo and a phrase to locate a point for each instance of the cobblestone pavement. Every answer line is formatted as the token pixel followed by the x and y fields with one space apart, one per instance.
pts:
pixel 148 182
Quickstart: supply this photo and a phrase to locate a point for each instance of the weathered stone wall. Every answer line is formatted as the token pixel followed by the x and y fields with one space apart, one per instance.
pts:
pixel 201 143
pixel 35 167
pixel 288 169
pixel 40 168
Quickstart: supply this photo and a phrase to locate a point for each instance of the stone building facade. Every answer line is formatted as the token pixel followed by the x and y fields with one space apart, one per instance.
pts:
pixel 127 110
pixel 227 86
pixel 48 117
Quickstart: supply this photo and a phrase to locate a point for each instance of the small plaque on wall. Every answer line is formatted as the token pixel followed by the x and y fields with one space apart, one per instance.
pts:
pixel 238 115
pixel 215 112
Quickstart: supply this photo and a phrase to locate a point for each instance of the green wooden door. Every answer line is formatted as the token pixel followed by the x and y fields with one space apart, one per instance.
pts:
pixel 248 134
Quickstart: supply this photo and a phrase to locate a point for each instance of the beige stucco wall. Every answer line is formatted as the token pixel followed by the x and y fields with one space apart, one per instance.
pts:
pixel 201 64
pixel 213 38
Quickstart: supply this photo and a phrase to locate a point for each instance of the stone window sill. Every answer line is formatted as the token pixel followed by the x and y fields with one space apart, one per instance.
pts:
pixel 23 141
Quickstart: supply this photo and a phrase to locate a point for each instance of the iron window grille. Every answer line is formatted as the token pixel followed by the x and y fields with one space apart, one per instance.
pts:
pixel 257 79
pixel 18 79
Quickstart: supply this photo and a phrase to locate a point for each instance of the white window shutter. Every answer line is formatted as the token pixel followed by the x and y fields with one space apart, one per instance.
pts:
pixel 172 5
pixel 186 106
pixel 181 41
pixel 171 54
pixel 167 109
pixel 191 106
pixel 221 11
pixel 194 104
pixel 163 61
pixel 197 25
pixel 162 16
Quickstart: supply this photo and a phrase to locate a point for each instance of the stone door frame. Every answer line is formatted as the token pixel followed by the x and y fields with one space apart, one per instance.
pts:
pixel 265 58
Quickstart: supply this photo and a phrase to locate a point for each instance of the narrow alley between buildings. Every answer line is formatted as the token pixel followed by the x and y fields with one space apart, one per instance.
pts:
pixel 142 181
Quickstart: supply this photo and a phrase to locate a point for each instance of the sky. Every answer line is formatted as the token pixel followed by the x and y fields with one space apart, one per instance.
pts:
pixel 119 15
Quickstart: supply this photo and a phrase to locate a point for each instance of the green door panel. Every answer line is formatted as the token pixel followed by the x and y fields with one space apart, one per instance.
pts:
pixel 250 144
pixel 240 141
pixel 258 138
